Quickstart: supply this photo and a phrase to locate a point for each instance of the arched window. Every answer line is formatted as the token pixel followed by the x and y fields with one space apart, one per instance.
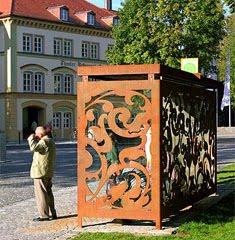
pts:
pixel 63 83
pixel 63 118
pixel 33 81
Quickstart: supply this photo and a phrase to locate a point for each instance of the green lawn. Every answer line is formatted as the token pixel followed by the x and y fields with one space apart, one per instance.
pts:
pixel 227 174
pixel 216 223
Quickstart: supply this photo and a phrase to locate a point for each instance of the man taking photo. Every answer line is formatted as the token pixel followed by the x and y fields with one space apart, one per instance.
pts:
pixel 42 169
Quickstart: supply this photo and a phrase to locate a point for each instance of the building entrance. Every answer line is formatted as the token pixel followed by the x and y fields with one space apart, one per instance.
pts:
pixel 32 117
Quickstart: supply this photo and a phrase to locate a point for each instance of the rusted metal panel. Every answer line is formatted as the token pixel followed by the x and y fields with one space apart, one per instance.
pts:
pixel 188 148
pixel 115 178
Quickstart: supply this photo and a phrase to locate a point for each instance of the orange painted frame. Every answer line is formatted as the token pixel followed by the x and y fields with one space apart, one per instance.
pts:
pixel 83 90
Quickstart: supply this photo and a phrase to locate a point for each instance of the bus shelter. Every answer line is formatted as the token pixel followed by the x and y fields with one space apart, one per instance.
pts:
pixel 146 141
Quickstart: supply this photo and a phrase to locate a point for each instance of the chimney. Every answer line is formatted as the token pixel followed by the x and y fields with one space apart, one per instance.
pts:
pixel 108 4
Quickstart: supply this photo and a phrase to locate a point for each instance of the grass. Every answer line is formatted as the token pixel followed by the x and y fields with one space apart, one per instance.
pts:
pixel 226 175
pixel 214 224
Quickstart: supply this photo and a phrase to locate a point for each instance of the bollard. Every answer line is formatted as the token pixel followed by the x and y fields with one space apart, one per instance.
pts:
pixel 19 137
pixel 2 147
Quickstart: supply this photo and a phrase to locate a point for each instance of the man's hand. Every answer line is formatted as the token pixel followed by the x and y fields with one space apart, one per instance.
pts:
pixel 32 136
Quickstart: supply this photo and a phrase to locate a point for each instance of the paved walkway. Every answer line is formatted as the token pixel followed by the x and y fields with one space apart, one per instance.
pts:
pixel 16 220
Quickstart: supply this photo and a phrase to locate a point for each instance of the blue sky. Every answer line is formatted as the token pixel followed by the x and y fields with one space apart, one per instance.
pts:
pixel 100 3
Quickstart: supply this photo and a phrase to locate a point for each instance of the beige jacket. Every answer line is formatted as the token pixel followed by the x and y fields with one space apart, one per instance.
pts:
pixel 44 153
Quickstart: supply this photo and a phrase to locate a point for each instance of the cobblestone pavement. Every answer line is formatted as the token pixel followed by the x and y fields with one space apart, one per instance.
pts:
pixel 16 220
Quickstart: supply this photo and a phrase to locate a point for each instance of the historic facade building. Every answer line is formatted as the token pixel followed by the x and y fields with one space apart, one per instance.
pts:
pixel 42 43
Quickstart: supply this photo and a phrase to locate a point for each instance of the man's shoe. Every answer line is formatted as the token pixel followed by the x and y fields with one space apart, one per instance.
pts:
pixel 39 219
pixel 53 217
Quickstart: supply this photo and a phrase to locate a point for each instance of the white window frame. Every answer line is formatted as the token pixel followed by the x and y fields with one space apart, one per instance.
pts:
pixel 94 50
pixel 67 120
pixel 38 44
pixel 27 42
pixel 68 83
pixel 34 82
pixel 90 50
pixel 58 83
pixel 38 79
pixel 58 46
pixel 68 47
pixel 27 82
pixel 33 43
pixel 85 49
pixel 57 120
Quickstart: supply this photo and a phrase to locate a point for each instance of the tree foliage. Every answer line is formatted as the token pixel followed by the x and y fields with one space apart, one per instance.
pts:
pixel 164 31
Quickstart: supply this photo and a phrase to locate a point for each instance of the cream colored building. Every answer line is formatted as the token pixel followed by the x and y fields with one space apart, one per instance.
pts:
pixel 41 47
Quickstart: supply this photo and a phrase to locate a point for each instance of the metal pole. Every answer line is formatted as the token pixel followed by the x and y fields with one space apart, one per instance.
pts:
pixel 229 77
pixel 229 113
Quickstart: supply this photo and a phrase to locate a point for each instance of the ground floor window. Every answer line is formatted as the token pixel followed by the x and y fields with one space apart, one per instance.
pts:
pixel 57 120
pixel 62 119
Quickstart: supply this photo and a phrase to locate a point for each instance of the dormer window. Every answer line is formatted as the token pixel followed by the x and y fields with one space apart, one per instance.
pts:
pixel 90 18
pixel 111 20
pixel 64 14
pixel 116 21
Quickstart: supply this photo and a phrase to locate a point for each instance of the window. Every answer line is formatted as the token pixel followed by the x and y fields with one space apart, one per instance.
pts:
pixel 38 44
pixel 90 50
pixel 85 49
pixel 110 47
pixel 67 120
pixel 68 48
pixel 57 46
pixel 91 19
pixel 33 82
pixel 64 14
pixel 116 21
pixel 64 118
pixel 32 43
pixel 58 83
pixel 63 47
pixel 57 120
pixel 27 79
pixel 27 43
pixel 38 80
pixel 63 83
pixel 67 84
pixel 94 50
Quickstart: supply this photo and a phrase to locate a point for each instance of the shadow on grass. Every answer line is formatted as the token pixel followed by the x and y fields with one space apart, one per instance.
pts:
pixel 221 212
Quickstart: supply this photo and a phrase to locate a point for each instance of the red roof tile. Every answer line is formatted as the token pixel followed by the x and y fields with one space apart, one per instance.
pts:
pixel 38 9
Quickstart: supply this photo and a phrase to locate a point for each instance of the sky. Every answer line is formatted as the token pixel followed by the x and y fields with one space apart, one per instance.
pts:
pixel 116 3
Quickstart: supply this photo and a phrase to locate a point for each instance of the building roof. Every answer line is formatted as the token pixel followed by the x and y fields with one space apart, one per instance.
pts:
pixel 38 9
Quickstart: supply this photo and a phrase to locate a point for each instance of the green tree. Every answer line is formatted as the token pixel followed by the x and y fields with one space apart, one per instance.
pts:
pixel 164 31
pixel 228 45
